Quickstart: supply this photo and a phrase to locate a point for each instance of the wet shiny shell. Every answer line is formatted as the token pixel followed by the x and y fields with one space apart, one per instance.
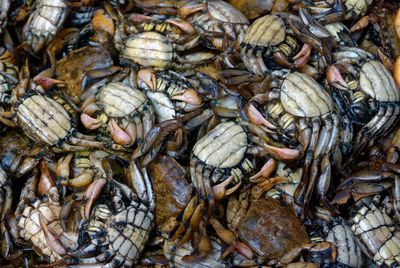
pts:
pixel 119 100
pixel 272 229
pixel 265 31
pixel 223 147
pixel 349 252
pixel 378 234
pixel 302 96
pixel 377 82
pixel 149 49
pixel 43 119
pixel 223 11
pixel 356 8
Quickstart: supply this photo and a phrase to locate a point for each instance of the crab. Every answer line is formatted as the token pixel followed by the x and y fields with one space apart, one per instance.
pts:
pixel 126 123
pixel 269 39
pixel 207 17
pixel 301 113
pixel 154 49
pixel 86 166
pixel 212 173
pixel 371 91
pixel 264 230
pixel 44 23
pixel 117 226
pixel 38 218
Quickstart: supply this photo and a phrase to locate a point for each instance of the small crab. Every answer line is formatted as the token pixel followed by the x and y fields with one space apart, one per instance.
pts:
pixel 120 110
pixel 215 16
pixel 302 113
pixel 38 217
pixel 264 230
pixel 212 172
pixel 371 91
pixel 117 226
pixel 154 49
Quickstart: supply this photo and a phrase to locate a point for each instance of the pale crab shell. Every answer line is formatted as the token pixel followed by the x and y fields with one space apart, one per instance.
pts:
pixel 377 82
pixel 304 97
pixel 149 49
pixel 266 31
pixel 44 119
pixel 119 100
pixel 223 147
pixel 223 11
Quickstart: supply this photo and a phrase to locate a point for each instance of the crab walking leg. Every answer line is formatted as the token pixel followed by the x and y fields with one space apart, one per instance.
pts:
pixel 323 141
pixel 300 191
pixel 324 180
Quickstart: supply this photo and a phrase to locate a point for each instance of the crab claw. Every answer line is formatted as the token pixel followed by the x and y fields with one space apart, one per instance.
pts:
pixel 148 77
pixel 183 25
pixel 47 82
pixel 265 171
pixel 51 239
pixel 91 194
pixel 190 96
pixel 46 182
pixel 301 59
pixel 220 191
pixel 266 185
pixel 361 24
pixel 186 11
pixel 90 122
pixel 63 168
pixel 118 135
pixel 335 78
pixel 257 118
pixel 282 153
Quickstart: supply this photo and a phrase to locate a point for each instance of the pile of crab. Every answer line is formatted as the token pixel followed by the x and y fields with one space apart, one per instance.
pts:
pixel 201 133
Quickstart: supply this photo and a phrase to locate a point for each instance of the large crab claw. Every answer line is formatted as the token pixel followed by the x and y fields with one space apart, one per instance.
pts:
pixel 147 77
pixel 91 194
pixel 47 185
pixel 220 191
pixel 119 135
pixel 51 238
pixel 46 82
pixel 257 118
pixel 335 78
pixel 185 26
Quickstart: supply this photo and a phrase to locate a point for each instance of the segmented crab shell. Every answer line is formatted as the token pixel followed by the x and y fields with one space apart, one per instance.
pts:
pixel 225 12
pixel 356 8
pixel 223 147
pixel 119 100
pixel 266 31
pixel 377 82
pixel 304 97
pixel 149 49
pixel 43 119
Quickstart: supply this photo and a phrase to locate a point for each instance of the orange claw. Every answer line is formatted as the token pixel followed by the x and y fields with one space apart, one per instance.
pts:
pixel 186 11
pixel 396 71
pixel 47 82
pixel 220 191
pixel 183 25
pixel 335 78
pixel 190 96
pixel 103 22
pixel 118 135
pixel 361 24
pixel 148 77
pixel 92 193
pixel 90 122
pixel 283 153
pixel 51 239
pixel 265 171
pixel 257 118
pixel 46 182
pixel 301 59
